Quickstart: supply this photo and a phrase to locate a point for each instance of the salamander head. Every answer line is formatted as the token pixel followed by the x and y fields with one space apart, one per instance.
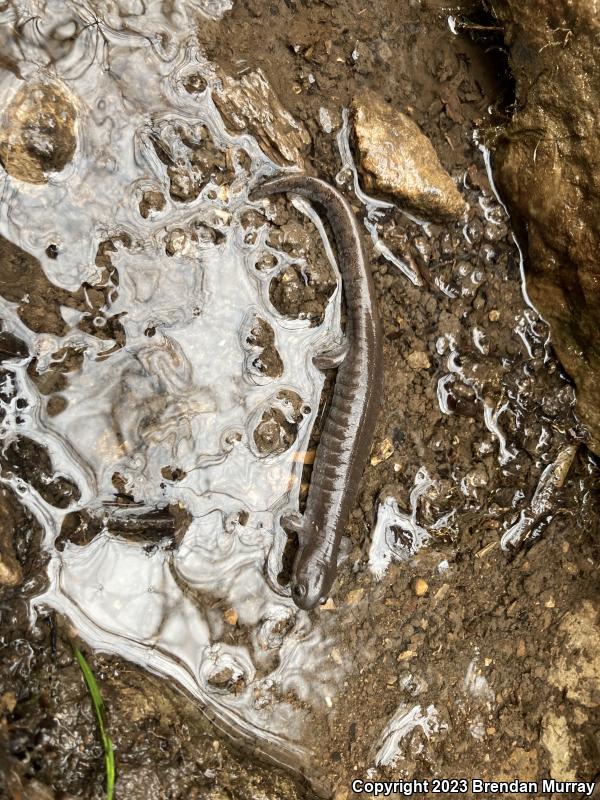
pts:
pixel 306 596
pixel 311 581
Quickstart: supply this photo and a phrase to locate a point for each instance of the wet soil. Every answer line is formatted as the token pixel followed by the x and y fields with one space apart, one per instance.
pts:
pixel 463 626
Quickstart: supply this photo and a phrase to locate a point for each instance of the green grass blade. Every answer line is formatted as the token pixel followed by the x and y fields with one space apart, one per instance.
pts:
pixel 109 755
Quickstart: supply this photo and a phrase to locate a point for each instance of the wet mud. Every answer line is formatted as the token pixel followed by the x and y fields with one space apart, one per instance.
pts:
pixel 160 411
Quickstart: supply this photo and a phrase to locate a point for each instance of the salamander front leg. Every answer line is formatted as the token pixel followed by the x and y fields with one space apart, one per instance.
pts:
pixel 292 524
pixel 331 359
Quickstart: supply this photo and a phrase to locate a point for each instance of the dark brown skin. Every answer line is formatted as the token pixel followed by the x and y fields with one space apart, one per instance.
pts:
pixel 347 435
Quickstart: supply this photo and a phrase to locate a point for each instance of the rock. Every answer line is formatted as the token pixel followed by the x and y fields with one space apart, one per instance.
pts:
pixel 355 596
pixel 576 667
pixel 397 159
pixel 418 360
pixel 249 103
pixel 547 166
pixel 8 701
pixel 406 655
pixel 11 573
pixel 557 741
pixel 420 587
pixel 382 451
pixel 230 616
pixel 38 132
pixel 151 202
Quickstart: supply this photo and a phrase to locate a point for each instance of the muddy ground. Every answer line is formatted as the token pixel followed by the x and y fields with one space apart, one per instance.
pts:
pixel 502 644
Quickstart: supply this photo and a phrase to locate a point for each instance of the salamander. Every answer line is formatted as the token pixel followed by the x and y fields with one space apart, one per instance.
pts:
pixel 347 434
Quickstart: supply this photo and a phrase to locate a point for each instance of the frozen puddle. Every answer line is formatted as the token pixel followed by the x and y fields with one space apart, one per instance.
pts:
pixel 150 391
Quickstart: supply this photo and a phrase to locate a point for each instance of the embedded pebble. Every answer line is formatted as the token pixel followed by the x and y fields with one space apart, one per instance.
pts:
pixel 420 587
pixel 418 360
pixel 38 131
pixel 355 596
pixel 231 616
pixel 382 451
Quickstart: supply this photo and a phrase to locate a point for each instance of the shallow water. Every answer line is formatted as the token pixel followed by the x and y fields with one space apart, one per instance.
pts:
pixel 180 390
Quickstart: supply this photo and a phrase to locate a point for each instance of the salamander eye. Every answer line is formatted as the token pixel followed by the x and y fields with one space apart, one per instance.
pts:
pixel 299 591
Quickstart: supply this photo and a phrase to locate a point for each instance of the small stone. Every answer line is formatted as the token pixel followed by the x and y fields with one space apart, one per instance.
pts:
pixel 38 135
pixel 420 587
pixel 325 120
pixel 406 655
pixel 418 360
pixel 494 315
pixel 231 616
pixel 10 571
pixel 329 605
pixel 177 243
pixel 441 593
pixel 151 202
pixel 551 603
pixel 382 451
pixel 521 649
pixel 8 701
pixel 355 596
pixel 397 159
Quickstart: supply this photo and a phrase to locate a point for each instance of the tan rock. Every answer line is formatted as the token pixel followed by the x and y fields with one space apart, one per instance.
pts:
pixel 8 701
pixel 249 103
pixel 355 596
pixel 10 571
pixel 420 587
pixel 37 131
pixel 547 164
pixel 576 668
pixel 382 451
pixel 397 159
pixel 230 616
pixel 406 655
pixel 418 360
pixel 557 741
